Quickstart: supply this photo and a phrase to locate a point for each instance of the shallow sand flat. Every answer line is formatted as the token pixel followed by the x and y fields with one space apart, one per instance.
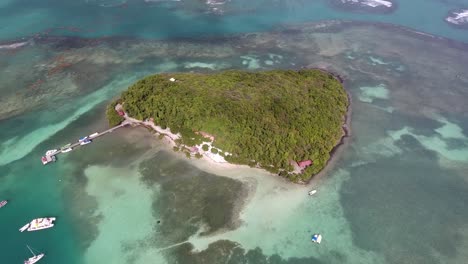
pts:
pixel 125 207
pixel 280 219
pixel 377 182
pixel 368 94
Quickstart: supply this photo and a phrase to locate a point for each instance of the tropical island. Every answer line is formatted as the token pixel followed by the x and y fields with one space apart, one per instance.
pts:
pixel 287 122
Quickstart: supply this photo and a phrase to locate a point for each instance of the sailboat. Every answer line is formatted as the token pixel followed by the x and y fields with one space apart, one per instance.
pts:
pixel 35 257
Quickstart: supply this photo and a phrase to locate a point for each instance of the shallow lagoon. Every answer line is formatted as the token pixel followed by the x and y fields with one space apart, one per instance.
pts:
pixel 401 179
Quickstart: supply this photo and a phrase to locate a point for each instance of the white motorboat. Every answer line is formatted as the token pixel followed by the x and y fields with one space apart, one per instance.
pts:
pixel 35 258
pixel 66 148
pixel 38 224
pixel 51 152
pixel 84 140
pixel 3 203
pixel 312 192
pixel 316 238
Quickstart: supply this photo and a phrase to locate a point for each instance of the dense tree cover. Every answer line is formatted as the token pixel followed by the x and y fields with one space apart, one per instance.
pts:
pixel 112 117
pixel 262 118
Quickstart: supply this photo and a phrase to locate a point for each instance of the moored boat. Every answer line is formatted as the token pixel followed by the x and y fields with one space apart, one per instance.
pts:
pixel 51 152
pixel 3 203
pixel 35 258
pixel 94 135
pixel 38 224
pixel 84 140
pixel 312 192
pixel 317 238
pixel 66 148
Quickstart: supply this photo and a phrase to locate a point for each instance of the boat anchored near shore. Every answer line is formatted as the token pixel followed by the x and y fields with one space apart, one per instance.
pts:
pixel 38 224
pixel 35 258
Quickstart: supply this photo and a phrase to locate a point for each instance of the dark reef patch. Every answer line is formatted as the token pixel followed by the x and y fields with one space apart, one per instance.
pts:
pixel 224 251
pixel 190 199
pixel 403 206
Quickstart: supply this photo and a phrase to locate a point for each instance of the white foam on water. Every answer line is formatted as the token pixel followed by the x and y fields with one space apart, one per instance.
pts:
pixel 125 205
pixel 459 17
pixel 375 61
pixel 369 93
pixel 371 3
pixel 13 45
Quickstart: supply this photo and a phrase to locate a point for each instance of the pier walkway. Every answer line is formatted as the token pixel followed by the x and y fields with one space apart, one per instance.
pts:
pixel 51 156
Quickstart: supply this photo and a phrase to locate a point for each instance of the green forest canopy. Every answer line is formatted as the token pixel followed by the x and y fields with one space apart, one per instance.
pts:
pixel 269 118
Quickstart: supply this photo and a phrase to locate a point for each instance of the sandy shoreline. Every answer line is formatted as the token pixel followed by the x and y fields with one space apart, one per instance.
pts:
pixel 220 162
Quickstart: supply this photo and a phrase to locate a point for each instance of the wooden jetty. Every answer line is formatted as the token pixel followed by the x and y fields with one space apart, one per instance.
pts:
pixel 50 155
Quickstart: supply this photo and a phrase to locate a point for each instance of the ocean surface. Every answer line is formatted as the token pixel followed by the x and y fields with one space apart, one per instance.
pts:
pixel 397 192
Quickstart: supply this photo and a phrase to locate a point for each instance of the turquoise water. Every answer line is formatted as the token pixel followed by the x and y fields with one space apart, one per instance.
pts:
pixel 171 19
pixel 397 194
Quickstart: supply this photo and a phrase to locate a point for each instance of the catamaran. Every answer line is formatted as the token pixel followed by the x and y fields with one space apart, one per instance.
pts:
pixel 38 224
pixel 66 148
pixel 3 203
pixel 35 257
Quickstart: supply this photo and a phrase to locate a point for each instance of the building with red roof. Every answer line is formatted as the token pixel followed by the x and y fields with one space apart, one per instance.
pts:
pixel 304 164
